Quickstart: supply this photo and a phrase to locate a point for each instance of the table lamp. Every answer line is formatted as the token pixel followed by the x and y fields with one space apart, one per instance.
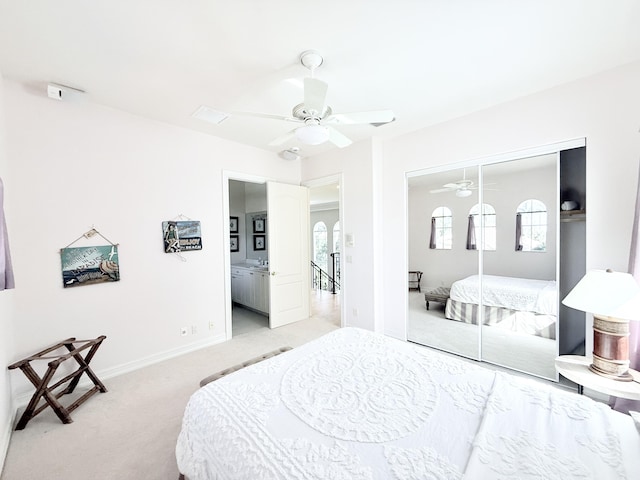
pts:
pixel 613 298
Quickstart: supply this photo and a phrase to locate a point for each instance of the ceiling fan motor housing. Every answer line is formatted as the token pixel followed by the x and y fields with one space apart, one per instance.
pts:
pixel 311 59
pixel 301 113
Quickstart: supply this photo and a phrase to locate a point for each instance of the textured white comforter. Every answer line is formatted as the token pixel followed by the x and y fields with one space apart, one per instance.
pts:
pixel 524 294
pixel 357 405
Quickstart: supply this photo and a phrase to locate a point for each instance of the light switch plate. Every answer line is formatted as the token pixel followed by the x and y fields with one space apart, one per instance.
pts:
pixel 349 240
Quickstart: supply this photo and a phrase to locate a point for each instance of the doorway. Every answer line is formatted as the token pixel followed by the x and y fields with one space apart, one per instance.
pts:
pixel 267 263
pixel 325 248
pixel 249 258
pixel 281 254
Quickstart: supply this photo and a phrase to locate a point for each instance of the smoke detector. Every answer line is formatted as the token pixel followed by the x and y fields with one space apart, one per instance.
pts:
pixel 63 92
pixel 290 154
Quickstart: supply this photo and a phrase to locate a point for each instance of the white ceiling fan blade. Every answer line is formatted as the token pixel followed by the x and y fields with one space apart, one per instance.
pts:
pixel 315 93
pixel 451 186
pixel 441 190
pixel 378 116
pixel 337 138
pixel 282 139
pixel 267 115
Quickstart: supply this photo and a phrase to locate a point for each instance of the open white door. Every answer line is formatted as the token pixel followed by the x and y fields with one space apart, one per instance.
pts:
pixel 289 264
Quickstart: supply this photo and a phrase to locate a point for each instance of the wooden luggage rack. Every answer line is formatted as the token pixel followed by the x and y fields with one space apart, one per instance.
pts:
pixel 43 390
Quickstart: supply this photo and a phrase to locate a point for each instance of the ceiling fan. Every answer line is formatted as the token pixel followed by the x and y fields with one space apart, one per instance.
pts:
pixel 316 117
pixel 462 188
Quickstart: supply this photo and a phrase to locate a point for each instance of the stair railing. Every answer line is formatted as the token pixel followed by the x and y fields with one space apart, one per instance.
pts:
pixel 322 280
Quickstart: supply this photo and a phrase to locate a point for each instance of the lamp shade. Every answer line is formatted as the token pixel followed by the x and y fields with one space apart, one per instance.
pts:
pixel 312 134
pixel 606 293
pixel 630 310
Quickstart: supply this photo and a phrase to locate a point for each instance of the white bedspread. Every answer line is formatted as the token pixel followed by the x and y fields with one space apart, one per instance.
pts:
pixel 524 294
pixel 357 405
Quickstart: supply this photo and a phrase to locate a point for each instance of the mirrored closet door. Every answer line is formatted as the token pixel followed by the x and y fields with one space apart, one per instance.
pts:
pixel 488 242
pixel 519 280
pixel 438 211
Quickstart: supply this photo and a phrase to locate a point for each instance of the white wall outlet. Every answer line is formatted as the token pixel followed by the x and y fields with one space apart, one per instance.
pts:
pixel 194 329
pixel 211 326
pixel 355 312
pixel 184 331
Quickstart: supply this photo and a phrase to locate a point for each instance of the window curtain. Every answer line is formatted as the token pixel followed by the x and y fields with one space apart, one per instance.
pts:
pixel 471 234
pixel 6 269
pixel 432 239
pixel 518 232
pixel 623 404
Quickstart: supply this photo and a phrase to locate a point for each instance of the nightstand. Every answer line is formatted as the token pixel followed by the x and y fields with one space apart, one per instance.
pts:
pixel 576 369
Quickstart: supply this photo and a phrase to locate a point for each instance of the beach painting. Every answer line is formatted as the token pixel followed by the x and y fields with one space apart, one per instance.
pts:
pixel 182 235
pixel 89 265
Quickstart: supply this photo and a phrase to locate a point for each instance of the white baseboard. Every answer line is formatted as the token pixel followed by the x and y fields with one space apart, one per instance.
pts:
pixel 22 398
pixel 4 445
pixel 5 438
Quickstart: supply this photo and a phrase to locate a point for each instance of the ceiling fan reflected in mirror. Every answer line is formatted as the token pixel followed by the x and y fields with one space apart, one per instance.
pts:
pixel 316 117
pixel 462 188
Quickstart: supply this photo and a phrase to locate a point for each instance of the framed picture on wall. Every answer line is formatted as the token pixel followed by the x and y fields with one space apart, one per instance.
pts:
pixel 181 235
pixel 233 224
pixel 89 265
pixel 259 242
pixel 258 225
pixel 235 243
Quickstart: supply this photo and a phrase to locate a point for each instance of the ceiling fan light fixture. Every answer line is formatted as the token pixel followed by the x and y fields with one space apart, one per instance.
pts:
pixel 463 192
pixel 312 134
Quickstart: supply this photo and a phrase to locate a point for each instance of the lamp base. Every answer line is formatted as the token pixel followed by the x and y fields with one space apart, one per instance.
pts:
pixel 625 377
pixel 611 348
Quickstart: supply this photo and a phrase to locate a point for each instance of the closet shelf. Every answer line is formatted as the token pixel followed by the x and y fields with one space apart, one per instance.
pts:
pixel 573 215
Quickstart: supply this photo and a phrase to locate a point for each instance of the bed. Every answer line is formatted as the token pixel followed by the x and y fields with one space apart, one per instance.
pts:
pixel 520 305
pixel 358 405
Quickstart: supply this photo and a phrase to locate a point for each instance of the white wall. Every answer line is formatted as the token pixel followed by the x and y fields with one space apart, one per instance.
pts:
pixel 604 109
pixel 75 166
pixel 6 304
pixel 357 204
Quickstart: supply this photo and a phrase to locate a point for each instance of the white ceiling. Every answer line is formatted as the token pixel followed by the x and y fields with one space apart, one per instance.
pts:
pixel 427 60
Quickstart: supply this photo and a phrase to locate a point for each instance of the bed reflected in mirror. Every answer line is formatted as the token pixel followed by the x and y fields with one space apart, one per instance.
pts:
pixel 438 215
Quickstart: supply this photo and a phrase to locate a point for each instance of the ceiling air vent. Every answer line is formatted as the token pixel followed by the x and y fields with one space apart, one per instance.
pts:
pixel 382 123
pixel 209 115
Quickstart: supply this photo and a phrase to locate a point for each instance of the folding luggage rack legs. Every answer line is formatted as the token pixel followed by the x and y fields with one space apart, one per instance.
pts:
pixel 43 390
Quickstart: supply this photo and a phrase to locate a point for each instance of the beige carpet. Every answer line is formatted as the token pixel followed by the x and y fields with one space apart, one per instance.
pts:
pixel 129 433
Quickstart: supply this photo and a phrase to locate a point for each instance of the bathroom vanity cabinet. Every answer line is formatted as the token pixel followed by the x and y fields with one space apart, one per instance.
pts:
pixel 250 287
